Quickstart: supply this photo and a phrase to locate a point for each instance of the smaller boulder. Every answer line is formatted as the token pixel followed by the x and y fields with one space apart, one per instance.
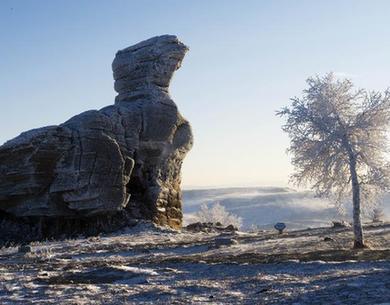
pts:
pixel 231 228
pixel 340 224
pixel 328 239
pixel 24 249
pixel 225 242
pixel 209 227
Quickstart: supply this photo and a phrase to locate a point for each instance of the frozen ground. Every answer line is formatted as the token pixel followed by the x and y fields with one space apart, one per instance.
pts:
pixel 145 265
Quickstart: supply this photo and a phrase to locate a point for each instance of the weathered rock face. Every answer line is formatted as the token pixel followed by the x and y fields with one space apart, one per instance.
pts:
pixel 122 161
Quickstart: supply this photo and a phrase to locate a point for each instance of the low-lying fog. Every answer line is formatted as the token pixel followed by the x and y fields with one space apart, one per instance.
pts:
pixel 264 206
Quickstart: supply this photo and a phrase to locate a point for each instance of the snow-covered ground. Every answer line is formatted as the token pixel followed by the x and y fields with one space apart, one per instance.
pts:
pixel 147 265
pixel 265 206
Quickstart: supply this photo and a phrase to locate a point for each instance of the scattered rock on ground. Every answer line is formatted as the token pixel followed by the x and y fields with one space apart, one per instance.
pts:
pixel 327 238
pixel 209 227
pixel 225 241
pixel 261 269
pixel 24 249
pixel 340 224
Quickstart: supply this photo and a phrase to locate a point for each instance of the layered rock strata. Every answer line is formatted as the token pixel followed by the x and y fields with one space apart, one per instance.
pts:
pixel 104 169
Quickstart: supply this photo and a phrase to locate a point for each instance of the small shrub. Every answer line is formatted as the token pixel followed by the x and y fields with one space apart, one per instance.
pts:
pixel 377 215
pixel 218 214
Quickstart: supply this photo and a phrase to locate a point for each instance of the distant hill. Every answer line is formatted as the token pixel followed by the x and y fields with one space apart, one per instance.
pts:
pixel 264 206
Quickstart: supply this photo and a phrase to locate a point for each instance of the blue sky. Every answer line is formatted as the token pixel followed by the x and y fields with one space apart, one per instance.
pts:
pixel 246 59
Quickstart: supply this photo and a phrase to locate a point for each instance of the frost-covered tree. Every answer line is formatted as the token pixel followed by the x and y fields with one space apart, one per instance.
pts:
pixel 339 142
pixel 217 213
pixel 377 214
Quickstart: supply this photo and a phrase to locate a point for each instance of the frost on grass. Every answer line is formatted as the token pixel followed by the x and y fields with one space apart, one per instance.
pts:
pixel 217 214
pixel 147 265
pixel 339 143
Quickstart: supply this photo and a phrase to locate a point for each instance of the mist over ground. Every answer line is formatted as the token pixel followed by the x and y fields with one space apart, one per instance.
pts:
pixel 264 206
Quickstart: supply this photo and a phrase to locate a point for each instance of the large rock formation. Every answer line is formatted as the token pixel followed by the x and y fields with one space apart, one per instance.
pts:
pixel 103 169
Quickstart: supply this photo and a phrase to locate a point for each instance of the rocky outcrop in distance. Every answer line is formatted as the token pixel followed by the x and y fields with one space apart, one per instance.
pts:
pixel 103 169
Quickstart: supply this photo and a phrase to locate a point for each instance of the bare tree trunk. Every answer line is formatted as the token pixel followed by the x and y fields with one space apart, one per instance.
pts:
pixel 357 220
